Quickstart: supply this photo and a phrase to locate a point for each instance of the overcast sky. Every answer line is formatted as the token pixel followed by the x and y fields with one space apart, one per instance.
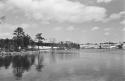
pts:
pixel 75 20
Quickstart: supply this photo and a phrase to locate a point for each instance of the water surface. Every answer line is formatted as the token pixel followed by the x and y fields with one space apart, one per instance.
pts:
pixel 60 65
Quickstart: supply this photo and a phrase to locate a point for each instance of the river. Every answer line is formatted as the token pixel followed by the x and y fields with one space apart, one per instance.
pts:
pixel 65 65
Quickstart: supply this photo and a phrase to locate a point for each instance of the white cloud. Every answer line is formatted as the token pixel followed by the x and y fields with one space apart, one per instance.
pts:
pixel 7 26
pixel 14 26
pixel 105 1
pixel 106 33
pixel 58 28
pixel 107 29
pixel 2 19
pixel 25 26
pixel 84 31
pixel 70 28
pixel 5 35
pixel 68 39
pixel 95 28
pixel 115 16
pixel 123 22
pixel 59 10
pixel 45 22
pixel 1 5
pixel 123 29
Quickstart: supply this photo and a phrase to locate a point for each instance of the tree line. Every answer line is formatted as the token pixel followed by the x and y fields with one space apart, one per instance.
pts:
pixel 22 41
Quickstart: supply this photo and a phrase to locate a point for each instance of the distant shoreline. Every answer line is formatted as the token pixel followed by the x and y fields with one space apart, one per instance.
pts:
pixel 48 51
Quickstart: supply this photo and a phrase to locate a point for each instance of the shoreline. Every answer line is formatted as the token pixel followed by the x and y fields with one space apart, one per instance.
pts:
pixel 49 51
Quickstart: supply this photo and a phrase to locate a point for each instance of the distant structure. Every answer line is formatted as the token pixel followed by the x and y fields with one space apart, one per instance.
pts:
pixel 89 45
pixel 108 45
pixel 105 45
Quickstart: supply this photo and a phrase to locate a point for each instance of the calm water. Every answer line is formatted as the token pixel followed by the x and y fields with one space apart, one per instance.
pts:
pixel 73 65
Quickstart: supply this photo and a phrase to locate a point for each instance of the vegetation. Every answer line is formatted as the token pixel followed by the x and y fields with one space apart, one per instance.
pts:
pixel 39 39
pixel 22 41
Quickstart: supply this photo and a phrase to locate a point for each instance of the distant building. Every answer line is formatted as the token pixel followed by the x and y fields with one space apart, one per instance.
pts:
pixel 89 46
pixel 105 45
pixel 123 45
pixel 108 45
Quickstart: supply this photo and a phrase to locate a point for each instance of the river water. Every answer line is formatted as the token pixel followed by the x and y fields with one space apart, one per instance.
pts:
pixel 62 65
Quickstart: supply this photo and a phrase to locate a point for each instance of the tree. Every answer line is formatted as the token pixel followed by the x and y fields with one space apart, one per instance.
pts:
pixel 32 44
pixel 39 39
pixel 26 41
pixel 19 32
pixel 120 46
pixel 18 37
pixel 52 41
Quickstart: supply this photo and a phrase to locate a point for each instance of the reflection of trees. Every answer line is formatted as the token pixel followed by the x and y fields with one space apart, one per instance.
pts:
pixel 59 55
pixel 32 59
pixel 7 61
pixel 40 65
pixel 21 64
pixel 1 61
pixel 18 71
pixel 52 56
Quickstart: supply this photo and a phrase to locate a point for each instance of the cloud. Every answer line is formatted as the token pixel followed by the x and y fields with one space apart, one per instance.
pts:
pixel 115 16
pixel 105 1
pixel 1 5
pixel 6 26
pixel 70 28
pixel 24 25
pixel 84 31
pixel 106 33
pixel 14 26
pixel 5 35
pixel 107 29
pixel 123 29
pixel 2 19
pixel 58 28
pixel 123 22
pixel 95 28
pixel 59 10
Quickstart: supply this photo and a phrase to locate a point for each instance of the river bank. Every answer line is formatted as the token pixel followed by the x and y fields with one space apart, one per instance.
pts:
pixel 2 53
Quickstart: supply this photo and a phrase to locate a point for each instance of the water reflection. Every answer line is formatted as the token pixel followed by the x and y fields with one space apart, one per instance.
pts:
pixel 64 64
pixel 5 61
pixel 39 65
pixel 20 63
pixel 60 56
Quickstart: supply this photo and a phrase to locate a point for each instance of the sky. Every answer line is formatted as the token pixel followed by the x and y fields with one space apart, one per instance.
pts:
pixel 79 21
